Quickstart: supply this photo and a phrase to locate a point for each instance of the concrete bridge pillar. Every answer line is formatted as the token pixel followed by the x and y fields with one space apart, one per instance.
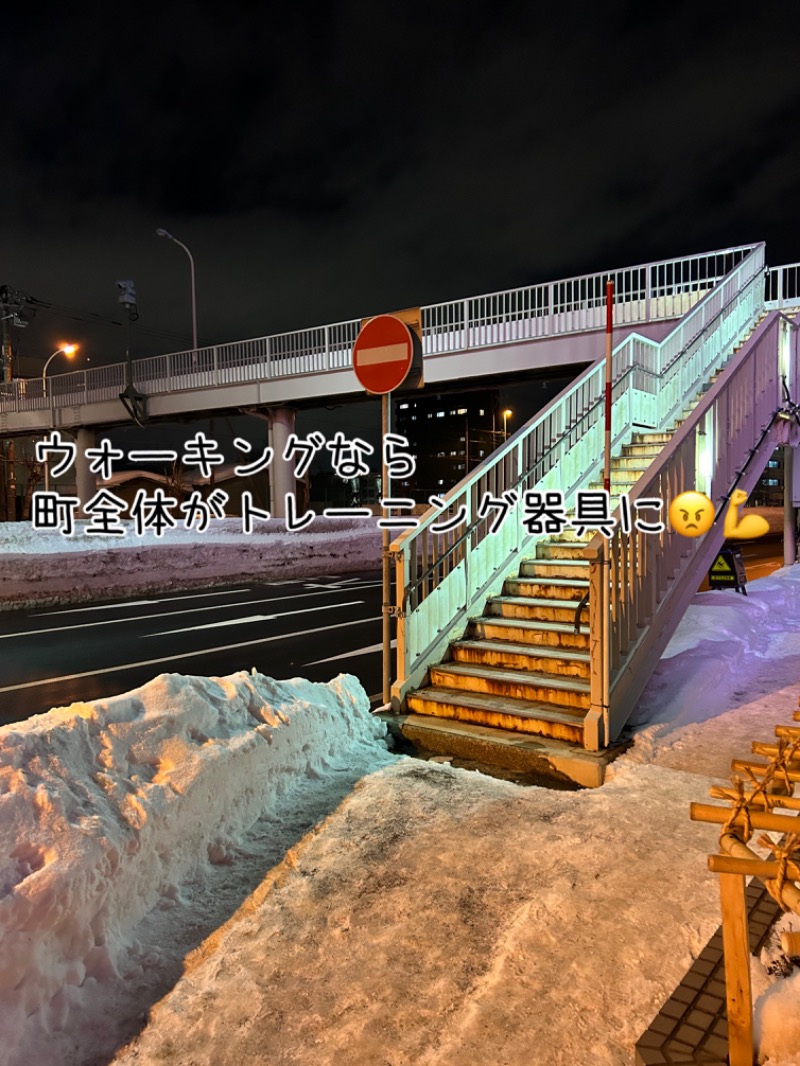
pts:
pixel 85 481
pixel 281 424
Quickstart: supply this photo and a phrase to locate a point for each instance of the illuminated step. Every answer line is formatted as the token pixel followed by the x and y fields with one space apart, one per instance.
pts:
pixel 523 716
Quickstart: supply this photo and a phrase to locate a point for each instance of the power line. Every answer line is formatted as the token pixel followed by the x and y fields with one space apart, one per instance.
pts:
pixel 91 316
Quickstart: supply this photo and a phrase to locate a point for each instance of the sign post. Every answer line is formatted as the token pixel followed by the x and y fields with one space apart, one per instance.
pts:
pixel 382 357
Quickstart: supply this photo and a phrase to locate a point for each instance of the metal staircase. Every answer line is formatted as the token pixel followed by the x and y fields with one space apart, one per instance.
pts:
pixel 492 628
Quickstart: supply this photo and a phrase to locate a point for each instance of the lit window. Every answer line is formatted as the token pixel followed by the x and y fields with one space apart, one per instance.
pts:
pixel 440 414
pixel 403 406
pixel 461 411
pixel 481 411
pixel 441 481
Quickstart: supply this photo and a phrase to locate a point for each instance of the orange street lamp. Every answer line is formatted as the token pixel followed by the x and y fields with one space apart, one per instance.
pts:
pixel 68 350
pixel 506 415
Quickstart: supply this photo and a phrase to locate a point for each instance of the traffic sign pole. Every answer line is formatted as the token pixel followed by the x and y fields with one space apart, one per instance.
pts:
pixel 387 582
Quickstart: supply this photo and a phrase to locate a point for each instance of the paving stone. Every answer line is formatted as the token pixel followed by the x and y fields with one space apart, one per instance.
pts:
pixel 649 1057
pixel 711 1004
pixel 692 1028
pixel 700 1019
pixel 673 1008
pixel 666 1026
pixel 687 1034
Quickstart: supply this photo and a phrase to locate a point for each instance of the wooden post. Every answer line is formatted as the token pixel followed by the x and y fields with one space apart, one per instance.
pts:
pixel 737 969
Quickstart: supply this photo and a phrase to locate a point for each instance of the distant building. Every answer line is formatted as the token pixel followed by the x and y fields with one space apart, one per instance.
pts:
pixel 449 434
pixel 769 488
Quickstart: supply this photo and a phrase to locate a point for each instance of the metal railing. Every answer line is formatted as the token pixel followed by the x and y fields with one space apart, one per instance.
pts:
pixel 650 578
pixel 441 579
pixel 665 289
pixel 783 286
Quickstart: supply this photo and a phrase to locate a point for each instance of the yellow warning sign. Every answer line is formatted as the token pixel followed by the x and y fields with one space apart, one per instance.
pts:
pixel 721 565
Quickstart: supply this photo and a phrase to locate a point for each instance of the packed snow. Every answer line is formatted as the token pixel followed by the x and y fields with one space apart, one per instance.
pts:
pixel 239 870
pixel 39 567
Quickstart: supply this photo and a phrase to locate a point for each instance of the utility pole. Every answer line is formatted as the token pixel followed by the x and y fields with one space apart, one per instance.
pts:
pixel 11 303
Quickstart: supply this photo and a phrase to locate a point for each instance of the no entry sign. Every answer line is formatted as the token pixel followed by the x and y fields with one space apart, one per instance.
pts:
pixel 382 354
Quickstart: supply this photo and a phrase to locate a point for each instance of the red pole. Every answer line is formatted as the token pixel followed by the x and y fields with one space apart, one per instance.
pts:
pixel 609 329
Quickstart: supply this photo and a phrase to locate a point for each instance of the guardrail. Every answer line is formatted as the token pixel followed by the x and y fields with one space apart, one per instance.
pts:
pixel 441 579
pixel 664 289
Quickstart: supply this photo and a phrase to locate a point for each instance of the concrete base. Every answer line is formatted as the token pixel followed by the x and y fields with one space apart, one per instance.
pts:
pixel 541 760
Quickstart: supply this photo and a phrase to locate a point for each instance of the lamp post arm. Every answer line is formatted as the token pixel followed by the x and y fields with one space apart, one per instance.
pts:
pixel 194 292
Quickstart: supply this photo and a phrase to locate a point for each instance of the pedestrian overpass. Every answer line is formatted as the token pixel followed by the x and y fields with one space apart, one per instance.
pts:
pixel 551 639
pixel 540 327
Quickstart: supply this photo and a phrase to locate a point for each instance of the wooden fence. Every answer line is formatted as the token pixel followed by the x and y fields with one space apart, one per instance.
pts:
pixel 757 789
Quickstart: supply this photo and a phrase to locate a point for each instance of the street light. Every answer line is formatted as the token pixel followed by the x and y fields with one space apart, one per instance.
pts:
pixel 165 233
pixel 68 350
pixel 506 415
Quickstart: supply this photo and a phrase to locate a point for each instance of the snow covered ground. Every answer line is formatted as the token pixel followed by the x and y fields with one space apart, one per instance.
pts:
pixel 240 868
pixel 44 567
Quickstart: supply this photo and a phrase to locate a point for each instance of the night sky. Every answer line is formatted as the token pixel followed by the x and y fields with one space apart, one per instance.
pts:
pixel 331 161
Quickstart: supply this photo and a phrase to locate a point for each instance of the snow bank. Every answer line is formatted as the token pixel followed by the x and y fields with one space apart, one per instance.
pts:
pixel 43 567
pixel 105 807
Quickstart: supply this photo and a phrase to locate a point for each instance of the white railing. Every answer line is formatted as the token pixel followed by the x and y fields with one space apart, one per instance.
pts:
pixel 650 578
pixel 783 286
pixel 644 293
pixel 441 579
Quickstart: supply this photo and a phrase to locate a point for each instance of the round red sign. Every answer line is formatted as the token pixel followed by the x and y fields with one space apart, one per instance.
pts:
pixel 382 354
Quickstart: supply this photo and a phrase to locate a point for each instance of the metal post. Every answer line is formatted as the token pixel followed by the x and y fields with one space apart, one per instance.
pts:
pixel 386 578
pixel 789 514
pixel 609 328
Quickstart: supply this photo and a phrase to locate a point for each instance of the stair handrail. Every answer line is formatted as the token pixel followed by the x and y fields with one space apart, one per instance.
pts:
pixel 650 578
pixel 424 567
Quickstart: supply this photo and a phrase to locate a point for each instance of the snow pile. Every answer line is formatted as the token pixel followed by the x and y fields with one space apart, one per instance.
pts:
pixel 105 807
pixel 44 567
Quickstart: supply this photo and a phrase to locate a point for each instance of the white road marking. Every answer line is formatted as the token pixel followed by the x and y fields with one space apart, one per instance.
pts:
pixel 26 633
pixel 349 654
pixel 252 618
pixel 140 603
pixel 183 655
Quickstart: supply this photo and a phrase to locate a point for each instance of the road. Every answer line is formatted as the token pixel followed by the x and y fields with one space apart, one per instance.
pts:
pixel 761 557
pixel 312 628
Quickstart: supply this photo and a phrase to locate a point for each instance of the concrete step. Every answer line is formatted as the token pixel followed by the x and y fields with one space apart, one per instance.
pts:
pixel 494 681
pixel 523 716
pixel 543 760
pixel 555 549
pixel 649 451
pixel 555 588
pixel 649 438
pixel 632 463
pixel 567 536
pixel 534 609
pixel 526 631
pixel 564 568
pixel 563 662
pixel 618 485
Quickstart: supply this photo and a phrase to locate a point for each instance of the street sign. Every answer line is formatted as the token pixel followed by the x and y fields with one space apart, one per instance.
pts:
pixel 383 354
pixel 728 571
